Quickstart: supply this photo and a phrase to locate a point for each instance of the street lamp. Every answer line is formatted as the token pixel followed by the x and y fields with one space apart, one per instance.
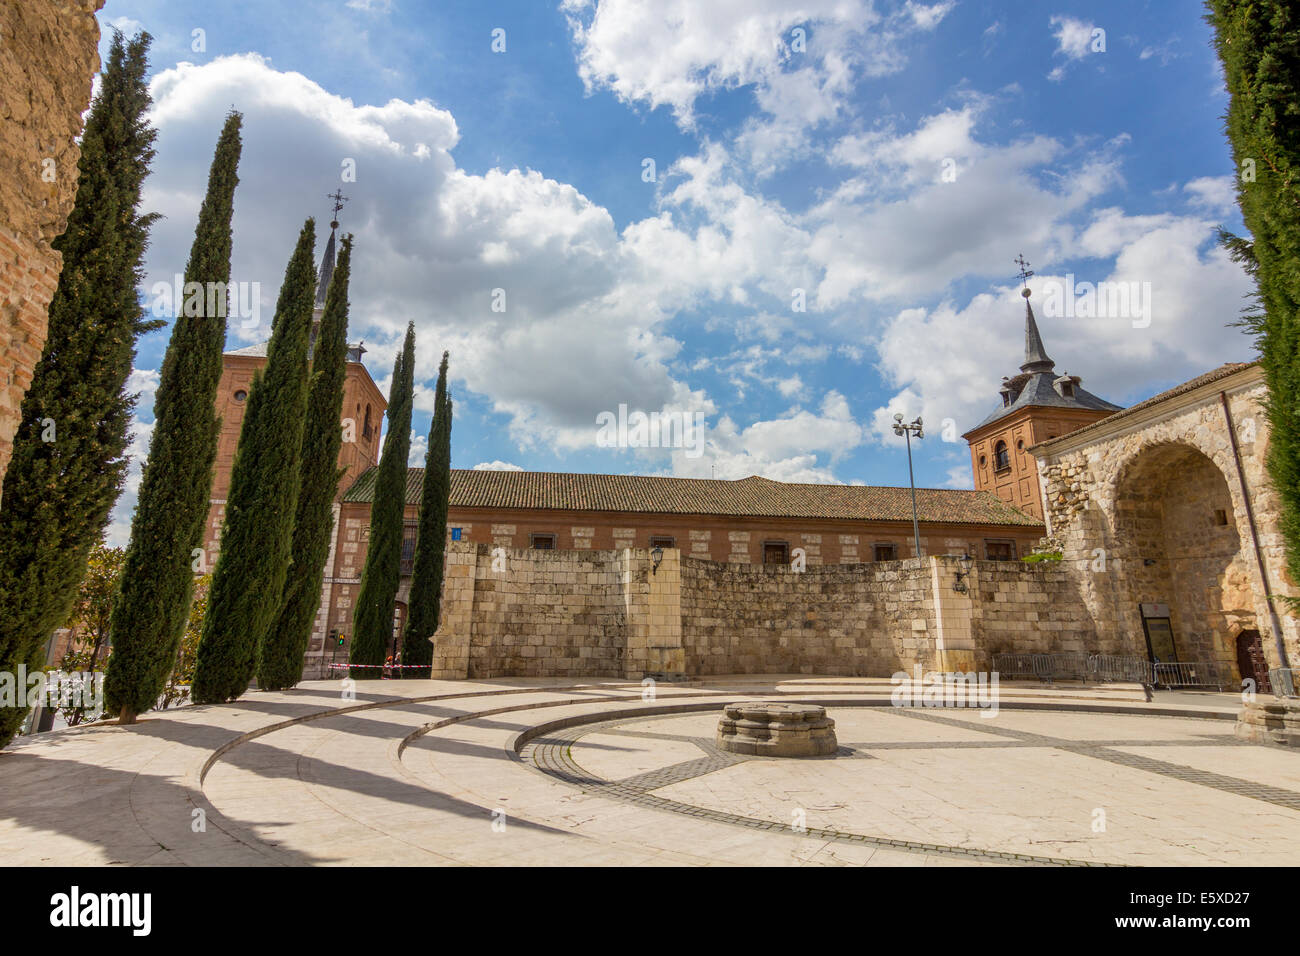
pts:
pixel 907 430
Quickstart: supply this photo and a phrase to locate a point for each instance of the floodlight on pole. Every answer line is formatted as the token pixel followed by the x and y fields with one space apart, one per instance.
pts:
pixel 907 430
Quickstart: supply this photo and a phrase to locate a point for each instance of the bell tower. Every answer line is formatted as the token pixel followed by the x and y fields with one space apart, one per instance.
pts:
pixel 1035 405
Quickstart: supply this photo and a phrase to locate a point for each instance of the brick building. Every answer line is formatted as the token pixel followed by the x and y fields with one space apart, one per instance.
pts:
pixel 48 56
pixel 1037 406
pixel 753 521
pixel 363 411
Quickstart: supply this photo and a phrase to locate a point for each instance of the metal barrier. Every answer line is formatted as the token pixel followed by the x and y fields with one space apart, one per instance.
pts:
pixel 1103 668
pixel 1108 667
pixel 1190 674
pixel 1282 681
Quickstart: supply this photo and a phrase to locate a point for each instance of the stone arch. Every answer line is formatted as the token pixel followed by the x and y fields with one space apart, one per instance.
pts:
pixel 1179 539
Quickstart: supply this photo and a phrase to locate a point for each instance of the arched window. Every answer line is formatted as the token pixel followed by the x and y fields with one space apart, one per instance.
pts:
pixel 365 428
pixel 1000 458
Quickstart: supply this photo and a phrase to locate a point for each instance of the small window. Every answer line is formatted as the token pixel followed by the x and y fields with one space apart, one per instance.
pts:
pixel 662 541
pixel 543 542
pixel 366 428
pixel 1001 460
pixel 240 395
pixel 1000 550
pixel 1020 445
pixel 884 551
pixel 776 552
pixel 410 532
pixel 983 460
pixel 1220 516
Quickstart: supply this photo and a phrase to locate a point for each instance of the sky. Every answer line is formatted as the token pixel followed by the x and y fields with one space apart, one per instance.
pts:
pixel 784 221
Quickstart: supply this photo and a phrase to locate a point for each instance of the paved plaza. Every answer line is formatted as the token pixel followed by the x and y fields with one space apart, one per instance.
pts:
pixel 531 771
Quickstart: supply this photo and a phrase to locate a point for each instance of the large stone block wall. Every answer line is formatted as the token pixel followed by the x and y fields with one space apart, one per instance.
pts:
pixel 529 613
pixel 48 56
pixel 517 612
pixel 851 619
pixel 1030 609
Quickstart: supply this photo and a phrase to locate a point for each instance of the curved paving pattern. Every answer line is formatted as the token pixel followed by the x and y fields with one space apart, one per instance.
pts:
pixel 534 771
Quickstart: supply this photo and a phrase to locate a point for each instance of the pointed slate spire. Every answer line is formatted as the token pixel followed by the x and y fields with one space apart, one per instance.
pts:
pixel 326 268
pixel 1036 359
pixel 327 261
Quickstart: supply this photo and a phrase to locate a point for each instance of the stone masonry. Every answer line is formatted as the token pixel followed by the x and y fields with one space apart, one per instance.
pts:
pixel 1155 506
pixel 510 612
pixel 48 55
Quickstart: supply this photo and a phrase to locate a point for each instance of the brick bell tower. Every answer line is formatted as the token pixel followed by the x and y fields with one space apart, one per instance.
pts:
pixel 1036 405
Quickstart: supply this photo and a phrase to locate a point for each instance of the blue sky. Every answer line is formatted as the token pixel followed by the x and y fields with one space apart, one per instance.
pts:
pixel 889 159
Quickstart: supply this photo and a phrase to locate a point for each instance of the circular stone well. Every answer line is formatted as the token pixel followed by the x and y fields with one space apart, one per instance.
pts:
pixel 766 728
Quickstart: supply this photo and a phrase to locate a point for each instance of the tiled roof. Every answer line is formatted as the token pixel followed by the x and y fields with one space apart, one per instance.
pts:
pixel 754 496
pixel 1223 371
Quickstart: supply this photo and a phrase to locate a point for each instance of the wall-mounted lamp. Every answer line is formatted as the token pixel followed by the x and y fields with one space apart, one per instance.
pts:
pixel 966 562
pixel 656 555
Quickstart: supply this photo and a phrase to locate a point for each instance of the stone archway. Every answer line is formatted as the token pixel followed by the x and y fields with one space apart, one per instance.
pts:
pixel 1176 533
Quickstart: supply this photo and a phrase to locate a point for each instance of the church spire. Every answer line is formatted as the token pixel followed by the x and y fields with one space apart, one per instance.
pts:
pixel 1036 358
pixel 327 261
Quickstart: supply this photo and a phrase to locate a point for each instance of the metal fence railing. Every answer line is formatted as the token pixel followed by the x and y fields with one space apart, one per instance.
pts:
pixel 1104 668
pixel 1282 681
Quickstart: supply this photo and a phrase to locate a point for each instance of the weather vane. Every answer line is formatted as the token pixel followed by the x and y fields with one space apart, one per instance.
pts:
pixel 339 200
pixel 1024 269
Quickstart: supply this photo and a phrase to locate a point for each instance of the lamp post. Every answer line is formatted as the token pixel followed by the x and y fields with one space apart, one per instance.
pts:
pixel 907 430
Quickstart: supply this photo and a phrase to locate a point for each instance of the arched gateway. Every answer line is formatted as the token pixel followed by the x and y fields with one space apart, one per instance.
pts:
pixel 1165 517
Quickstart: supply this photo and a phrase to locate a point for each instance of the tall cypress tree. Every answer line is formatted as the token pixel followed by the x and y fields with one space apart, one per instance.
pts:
pixel 1259 44
pixel 431 543
pixel 382 575
pixel 150 614
pixel 284 643
pixel 69 457
pixel 248 582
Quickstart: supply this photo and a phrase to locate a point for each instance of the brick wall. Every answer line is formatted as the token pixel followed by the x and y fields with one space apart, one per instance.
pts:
pixel 47 58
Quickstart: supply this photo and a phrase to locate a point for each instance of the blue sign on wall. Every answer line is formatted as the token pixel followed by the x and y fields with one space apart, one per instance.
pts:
pixel 455 534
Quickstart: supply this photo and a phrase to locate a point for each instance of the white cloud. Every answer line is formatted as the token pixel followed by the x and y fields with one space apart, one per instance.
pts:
pixel 1073 37
pixel 946 362
pixel 496 466
pixel 1214 194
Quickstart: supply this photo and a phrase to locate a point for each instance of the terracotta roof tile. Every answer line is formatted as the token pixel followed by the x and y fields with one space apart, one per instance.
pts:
pixel 754 496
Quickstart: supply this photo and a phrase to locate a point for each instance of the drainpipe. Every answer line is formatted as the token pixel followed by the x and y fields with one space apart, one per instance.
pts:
pixel 1254 535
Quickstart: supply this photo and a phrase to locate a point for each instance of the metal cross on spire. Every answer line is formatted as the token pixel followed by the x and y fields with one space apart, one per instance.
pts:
pixel 339 200
pixel 1024 269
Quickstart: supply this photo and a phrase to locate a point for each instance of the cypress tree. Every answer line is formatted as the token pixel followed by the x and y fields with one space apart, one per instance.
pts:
pixel 69 458
pixel 373 626
pixel 248 581
pixel 281 657
pixel 167 528
pixel 431 542
pixel 1259 44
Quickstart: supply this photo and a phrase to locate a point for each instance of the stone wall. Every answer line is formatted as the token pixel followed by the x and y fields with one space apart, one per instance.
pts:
pixel 518 612
pixel 524 613
pixel 48 56
pixel 852 619
pixel 1030 609
pixel 1150 507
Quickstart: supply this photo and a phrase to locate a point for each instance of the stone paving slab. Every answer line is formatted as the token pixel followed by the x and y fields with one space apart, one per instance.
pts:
pixel 418 773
